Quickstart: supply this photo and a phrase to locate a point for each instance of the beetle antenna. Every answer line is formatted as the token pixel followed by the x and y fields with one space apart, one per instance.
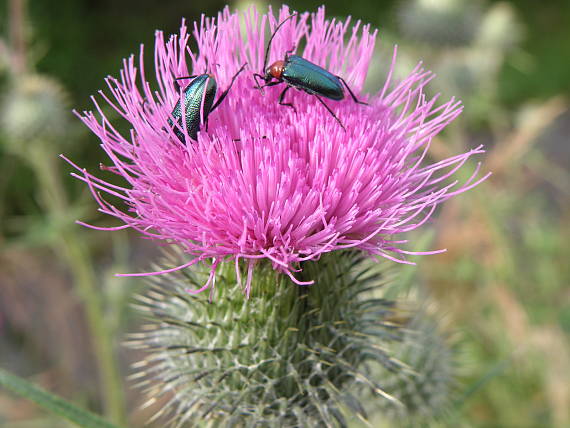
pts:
pixel 271 39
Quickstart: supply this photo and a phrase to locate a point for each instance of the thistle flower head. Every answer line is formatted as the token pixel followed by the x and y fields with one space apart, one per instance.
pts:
pixel 262 180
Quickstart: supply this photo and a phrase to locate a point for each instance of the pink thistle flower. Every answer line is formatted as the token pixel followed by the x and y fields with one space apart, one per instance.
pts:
pixel 266 182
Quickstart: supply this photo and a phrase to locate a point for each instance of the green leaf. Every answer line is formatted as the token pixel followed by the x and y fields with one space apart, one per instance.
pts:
pixel 495 371
pixel 52 403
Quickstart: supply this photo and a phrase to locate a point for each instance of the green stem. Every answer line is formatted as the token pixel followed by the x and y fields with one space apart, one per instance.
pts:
pixel 51 402
pixel 76 254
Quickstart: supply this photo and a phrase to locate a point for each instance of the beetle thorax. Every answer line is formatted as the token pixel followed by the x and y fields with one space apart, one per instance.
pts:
pixel 276 69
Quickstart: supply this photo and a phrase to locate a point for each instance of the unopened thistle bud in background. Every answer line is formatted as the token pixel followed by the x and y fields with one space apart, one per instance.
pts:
pixel 274 210
pixel 451 23
pixel 34 109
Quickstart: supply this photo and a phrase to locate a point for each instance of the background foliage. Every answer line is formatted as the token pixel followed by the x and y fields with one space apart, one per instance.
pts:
pixel 503 284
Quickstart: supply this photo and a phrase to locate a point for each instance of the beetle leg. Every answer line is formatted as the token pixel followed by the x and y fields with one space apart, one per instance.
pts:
pixel 226 91
pixel 290 51
pixel 269 85
pixel 178 130
pixel 264 137
pixel 186 77
pixel 146 107
pixel 350 92
pixel 282 96
pixel 182 78
pixel 330 111
pixel 255 76
pixel 273 83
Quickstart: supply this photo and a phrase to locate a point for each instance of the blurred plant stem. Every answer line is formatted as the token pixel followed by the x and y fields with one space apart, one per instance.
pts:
pixel 18 35
pixel 43 160
pixel 39 104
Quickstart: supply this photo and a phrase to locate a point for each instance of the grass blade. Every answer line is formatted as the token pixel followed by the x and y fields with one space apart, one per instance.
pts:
pixel 52 403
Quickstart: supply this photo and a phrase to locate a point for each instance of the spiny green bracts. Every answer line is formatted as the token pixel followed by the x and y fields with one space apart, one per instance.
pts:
pixel 430 353
pixel 289 356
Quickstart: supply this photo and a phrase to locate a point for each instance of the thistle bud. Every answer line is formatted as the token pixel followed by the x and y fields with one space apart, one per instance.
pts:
pixel 34 108
pixel 500 28
pixel 439 22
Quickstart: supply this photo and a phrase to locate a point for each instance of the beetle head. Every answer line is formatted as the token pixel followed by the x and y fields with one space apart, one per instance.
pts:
pixel 275 71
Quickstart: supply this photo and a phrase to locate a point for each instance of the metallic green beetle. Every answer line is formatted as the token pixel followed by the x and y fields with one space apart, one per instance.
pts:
pixel 299 73
pixel 198 98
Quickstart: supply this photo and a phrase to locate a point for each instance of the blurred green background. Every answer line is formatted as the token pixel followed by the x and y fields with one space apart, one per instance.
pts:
pixel 503 284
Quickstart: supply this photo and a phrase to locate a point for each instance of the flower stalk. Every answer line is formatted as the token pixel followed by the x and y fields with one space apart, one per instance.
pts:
pixel 43 160
pixel 34 122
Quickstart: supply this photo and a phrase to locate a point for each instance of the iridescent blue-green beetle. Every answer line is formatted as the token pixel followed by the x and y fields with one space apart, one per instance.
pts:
pixel 198 98
pixel 299 73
